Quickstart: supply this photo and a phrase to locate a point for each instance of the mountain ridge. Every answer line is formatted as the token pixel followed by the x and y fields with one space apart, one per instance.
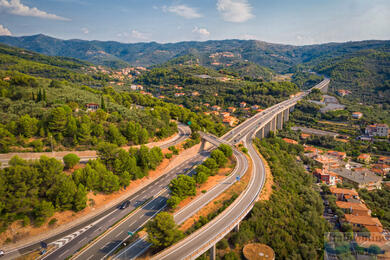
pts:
pixel 276 56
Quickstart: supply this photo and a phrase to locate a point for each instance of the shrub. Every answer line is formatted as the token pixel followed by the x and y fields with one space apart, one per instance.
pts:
pixel 173 201
pixel 52 221
pixel 168 155
pixel 70 160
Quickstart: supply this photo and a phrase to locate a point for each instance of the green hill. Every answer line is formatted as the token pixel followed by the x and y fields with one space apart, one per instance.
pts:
pixel 365 73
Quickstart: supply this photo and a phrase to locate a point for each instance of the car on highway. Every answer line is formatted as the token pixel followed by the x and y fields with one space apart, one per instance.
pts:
pixel 125 204
pixel 2 253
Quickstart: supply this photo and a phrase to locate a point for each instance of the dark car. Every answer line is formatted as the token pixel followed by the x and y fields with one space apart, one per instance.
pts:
pixel 125 204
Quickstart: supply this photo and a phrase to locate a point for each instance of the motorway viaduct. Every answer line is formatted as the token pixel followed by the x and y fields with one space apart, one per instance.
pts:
pixel 260 125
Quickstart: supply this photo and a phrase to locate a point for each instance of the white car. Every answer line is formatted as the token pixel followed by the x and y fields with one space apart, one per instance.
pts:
pixel 1 253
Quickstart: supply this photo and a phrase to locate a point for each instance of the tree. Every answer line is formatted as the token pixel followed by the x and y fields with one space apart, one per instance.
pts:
pixel 84 134
pixel 63 191
pixel 80 198
pixel 107 153
pixel 102 104
pixel 219 157
pixel 27 126
pixel 55 84
pixel 43 211
pixel 201 177
pixel 183 186
pixel 162 231
pixel 114 136
pixel 57 120
pixel 143 136
pixel 70 160
pixel 226 149
pixel 211 164
pixel 173 201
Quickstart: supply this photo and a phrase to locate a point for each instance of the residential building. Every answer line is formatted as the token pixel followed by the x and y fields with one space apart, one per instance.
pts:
pixel 381 130
pixel 231 109
pixel 290 141
pixel 343 92
pixel 384 159
pixel 255 107
pixel 305 136
pixel 91 107
pixel 356 209
pixel 327 177
pixel 216 108
pixel 195 93
pixel 230 120
pixel 364 158
pixel 243 104
pixel 381 166
pixel 179 94
pixel 363 221
pixel 357 115
pixel 311 149
pixel 343 194
pixel 206 104
pixel 339 155
pixel 363 179
pixel 225 114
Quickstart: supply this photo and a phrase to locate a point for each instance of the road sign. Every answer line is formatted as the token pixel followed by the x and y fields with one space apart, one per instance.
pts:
pixel 130 233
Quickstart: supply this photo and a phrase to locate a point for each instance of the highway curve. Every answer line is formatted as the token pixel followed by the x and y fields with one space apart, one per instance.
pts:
pixel 200 241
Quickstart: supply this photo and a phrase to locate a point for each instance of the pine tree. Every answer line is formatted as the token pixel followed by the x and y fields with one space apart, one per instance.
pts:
pixel 39 98
pixel 102 104
pixel 44 95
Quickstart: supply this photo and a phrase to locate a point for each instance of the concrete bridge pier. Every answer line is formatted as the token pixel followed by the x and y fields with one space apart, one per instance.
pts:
pixel 279 121
pixel 237 227
pixel 266 129
pixel 204 145
pixel 213 252
pixel 273 124
pixel 286 114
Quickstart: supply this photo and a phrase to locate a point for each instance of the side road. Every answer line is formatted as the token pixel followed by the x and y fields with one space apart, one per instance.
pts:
pixel 183 133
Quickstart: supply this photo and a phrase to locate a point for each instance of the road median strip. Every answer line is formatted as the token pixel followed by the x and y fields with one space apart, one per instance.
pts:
pixel 114 226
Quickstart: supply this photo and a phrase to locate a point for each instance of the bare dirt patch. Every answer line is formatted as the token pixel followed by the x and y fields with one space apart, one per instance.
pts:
pixel 266 192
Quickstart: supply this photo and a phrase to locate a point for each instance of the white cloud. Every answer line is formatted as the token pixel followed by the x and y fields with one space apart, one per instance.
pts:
pixel 4 31
pixel 139 35
pixel 201 31
pixel 182 10
pixel 85 30
pixel 17 8
pixel 248 37
pixel 236 11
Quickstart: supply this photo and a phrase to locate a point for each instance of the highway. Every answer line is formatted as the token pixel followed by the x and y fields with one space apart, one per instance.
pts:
pixel 71 240
pixel 139 246
pixel 200 241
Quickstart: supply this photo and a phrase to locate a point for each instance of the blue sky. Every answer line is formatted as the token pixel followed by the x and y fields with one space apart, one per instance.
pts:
pixel 296 22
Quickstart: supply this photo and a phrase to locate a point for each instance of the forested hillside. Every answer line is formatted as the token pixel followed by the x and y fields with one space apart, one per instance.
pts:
pixel 291 221
pixel 365 73
pixel 201 85
pixel 44 106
